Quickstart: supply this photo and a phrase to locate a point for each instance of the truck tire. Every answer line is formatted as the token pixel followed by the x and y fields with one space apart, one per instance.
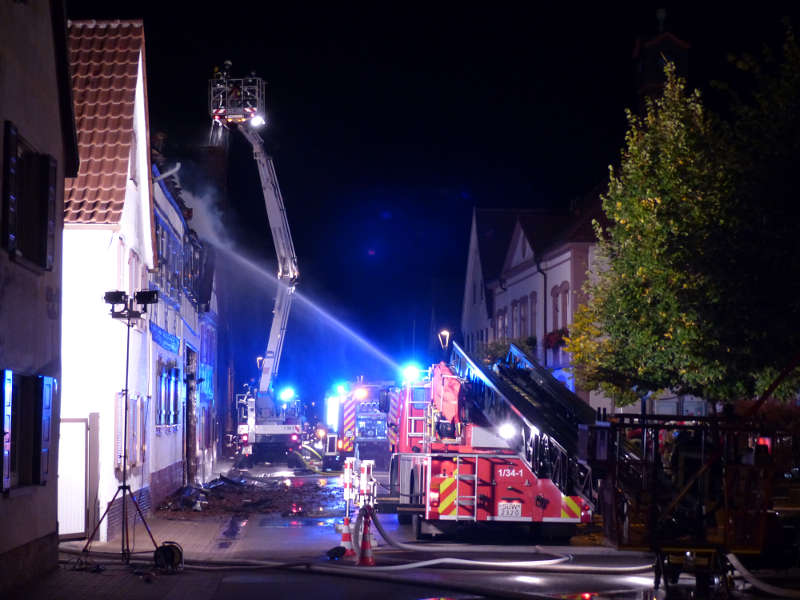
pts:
pixel 416 527
pixel 404 518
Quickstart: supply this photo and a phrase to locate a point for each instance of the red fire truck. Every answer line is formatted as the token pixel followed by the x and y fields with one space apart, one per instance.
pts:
pixel 364 418
pixel 476 444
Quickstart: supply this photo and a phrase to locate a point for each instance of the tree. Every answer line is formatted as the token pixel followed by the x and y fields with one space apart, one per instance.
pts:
pixel 703 217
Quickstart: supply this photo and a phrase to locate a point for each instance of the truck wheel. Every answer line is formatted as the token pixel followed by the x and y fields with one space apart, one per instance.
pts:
pixel 404 518
pixel 416 527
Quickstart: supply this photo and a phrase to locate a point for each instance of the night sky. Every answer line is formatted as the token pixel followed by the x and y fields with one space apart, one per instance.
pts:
pixel 388 123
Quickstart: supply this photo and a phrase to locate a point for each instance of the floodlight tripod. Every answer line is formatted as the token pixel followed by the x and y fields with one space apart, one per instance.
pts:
pixel 128 313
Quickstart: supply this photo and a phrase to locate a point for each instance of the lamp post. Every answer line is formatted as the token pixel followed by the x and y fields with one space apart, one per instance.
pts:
pixel 444 342
pixel 127 313
pixel 444 339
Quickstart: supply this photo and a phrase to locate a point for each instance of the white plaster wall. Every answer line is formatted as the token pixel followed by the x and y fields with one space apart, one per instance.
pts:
pixel 142 158
pixel 474 317
pixel 94 345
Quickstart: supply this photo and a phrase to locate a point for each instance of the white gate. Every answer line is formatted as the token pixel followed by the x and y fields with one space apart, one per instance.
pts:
pixel 72 472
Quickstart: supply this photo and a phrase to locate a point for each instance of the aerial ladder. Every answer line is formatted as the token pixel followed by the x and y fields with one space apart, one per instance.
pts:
pixel 263 420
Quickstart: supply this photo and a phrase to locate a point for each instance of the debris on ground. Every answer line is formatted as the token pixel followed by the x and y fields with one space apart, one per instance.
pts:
pixel 239 493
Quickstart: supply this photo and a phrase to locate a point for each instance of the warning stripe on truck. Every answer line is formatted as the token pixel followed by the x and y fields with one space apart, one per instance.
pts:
pixel 448 494
pixel 570 509
pixel 348 424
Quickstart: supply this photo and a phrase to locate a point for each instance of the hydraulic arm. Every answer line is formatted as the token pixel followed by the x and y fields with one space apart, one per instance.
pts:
pixel 284 251
pixel 239 102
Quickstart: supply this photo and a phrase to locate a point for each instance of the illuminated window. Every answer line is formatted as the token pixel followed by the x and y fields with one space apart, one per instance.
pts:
pixel 27 402
pixel 167 401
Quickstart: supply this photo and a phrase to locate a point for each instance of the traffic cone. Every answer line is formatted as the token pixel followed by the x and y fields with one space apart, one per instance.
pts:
pixel 366 559
pixel 347 539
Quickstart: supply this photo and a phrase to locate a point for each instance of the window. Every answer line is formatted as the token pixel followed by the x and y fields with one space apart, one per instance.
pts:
pixel 27 402
pixel 120 264
pixel 136 430
pixel 167 390
pixel 555 293
pixel 29 201
pixel 534 322
pixel 523 316
pixel 132 159
pixel 564 303
pixel 514 320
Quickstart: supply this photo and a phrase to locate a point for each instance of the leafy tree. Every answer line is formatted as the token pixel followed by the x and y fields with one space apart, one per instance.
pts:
pixel 697 288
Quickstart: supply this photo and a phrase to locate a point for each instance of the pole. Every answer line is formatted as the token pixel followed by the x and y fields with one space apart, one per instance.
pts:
pixel 125 490
pixel 128 313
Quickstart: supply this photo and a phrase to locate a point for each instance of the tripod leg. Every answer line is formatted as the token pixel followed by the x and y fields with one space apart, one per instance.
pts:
pixel 146 526
pixel 96 527
pixel 126 536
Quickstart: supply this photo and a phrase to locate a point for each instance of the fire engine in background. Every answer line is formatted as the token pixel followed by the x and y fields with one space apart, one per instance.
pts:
pixel 278 435
pixel 362 421
pixel 477 444
pixel 264 422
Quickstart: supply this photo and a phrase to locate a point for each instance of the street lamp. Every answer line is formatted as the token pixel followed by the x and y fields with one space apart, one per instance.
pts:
pixel 122 307
pixel 444 338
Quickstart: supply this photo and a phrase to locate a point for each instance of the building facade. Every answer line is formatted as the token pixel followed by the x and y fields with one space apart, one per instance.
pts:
pixel 108 245
pixel 525 275
pixel 37 151
pixel 183 339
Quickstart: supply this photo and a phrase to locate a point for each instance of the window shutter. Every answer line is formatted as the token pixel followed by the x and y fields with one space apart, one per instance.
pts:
pixel 48 390
pixel 10 188
pixel 50 197
pixel 119 429
pixel 132 430
pixel 163 397
pixel 144 407
pixel 176 396
pixel 7 403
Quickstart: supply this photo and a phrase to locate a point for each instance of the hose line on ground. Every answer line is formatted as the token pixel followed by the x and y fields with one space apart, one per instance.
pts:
pixel 556 564
pixel 757 583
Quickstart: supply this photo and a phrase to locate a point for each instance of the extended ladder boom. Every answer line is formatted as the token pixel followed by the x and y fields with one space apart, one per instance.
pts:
pixel 284 251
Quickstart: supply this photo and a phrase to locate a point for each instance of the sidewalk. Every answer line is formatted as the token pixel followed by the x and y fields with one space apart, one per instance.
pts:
pixel 266 538
pixel 227 538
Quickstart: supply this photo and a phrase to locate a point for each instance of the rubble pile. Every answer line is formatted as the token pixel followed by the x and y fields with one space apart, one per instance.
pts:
pixel 244 495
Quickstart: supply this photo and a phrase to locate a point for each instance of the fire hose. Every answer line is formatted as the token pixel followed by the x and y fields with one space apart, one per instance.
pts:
pixel 757 583
pixel 548 564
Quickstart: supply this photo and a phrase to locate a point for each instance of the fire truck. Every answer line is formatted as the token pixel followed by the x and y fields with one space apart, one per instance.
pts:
pixel 491 444
pixel 264 422
pixel 363 422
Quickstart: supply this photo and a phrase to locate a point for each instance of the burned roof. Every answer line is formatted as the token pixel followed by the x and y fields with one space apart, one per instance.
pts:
pixel 104 58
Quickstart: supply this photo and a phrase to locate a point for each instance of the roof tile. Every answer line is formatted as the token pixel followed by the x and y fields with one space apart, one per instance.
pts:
pixel 104 57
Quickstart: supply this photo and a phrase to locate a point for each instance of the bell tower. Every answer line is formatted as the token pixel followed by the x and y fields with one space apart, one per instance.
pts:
pixel 650 54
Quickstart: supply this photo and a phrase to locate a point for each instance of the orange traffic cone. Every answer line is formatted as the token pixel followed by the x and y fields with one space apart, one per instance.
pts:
pixel 365 559
pixel 347 539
